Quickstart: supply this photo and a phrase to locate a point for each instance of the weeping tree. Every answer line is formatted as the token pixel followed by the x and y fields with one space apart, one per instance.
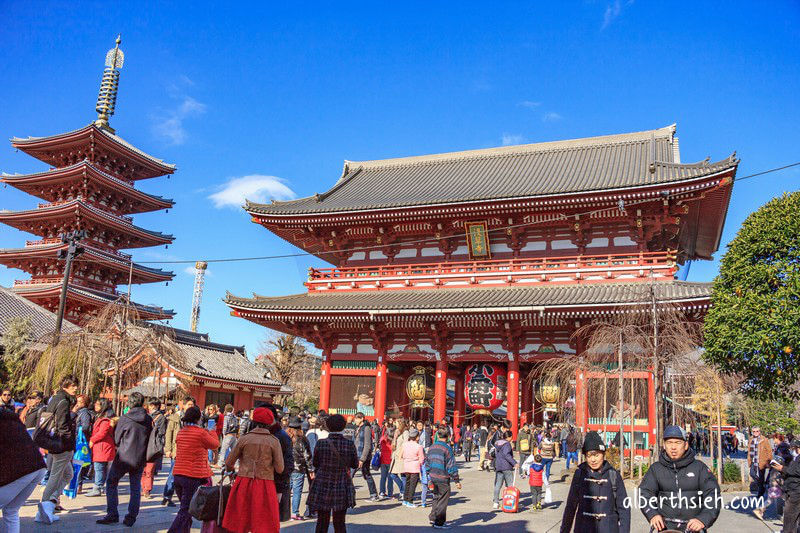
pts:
pixel 642 337
pixel 14 343
pixel 288 360
pixel 115 343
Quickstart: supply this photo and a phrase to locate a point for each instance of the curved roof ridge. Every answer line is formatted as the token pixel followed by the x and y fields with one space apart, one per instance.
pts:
pixel 501 151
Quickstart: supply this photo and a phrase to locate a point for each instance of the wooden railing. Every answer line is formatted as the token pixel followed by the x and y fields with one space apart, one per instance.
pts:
pixel 43 242
pixel 497 272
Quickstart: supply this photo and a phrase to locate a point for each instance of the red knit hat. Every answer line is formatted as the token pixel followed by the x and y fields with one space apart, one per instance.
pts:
pixel 263 415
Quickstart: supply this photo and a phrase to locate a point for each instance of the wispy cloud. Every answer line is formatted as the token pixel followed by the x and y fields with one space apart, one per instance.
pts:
pixel 551 116
pixel 255 187
pixel 168 124
pixel 509 139
pixel 529 104
pixel 613 10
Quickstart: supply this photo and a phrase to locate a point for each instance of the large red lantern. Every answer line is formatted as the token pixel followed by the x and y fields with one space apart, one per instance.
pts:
pixel 485 387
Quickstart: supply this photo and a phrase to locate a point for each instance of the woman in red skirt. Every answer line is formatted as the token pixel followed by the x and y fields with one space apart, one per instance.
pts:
pixel 253 503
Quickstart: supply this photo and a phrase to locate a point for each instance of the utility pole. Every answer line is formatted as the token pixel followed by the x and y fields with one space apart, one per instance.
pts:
pixel 620 396
pixel 71 239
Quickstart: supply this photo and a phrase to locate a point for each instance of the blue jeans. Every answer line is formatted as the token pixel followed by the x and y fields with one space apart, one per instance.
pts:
pixel 500 477
pixel 563 450
pixel 169 484
pixel 423 477
pixel 400 480
pixel 546 462
pixel 573 456
pixel 384 477
pixel 116 473
pixel 296 482
pixel 100 475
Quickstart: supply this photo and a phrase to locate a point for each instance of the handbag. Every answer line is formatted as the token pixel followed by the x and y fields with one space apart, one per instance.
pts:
pixel 376 460
pixel 208 502
pixel 45 436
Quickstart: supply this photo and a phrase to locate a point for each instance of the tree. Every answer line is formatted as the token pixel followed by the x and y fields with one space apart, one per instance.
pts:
pixel 288 361
pixel 14 343
pixel 753 326
pixel 771 415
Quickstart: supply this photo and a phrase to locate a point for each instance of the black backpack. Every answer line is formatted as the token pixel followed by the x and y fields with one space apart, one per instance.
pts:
pixel 45 435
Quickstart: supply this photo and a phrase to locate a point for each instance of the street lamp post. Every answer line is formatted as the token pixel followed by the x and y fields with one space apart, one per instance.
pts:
pixel 71 239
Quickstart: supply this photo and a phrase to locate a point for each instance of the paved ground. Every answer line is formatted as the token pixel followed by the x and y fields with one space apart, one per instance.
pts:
pixel 470 509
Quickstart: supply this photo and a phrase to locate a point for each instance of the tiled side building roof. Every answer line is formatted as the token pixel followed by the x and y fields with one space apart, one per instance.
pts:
pixel 590 164
pixel 43 321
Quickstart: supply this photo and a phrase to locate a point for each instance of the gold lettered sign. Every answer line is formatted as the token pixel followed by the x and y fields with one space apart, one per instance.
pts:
pixel 478 240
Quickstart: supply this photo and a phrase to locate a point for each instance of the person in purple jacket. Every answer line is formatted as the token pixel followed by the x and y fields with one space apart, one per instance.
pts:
pixel 504 464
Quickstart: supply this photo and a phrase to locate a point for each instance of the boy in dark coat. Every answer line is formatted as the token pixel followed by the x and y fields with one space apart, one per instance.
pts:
pixel 678 476
pixel 597 494
pixel 131 435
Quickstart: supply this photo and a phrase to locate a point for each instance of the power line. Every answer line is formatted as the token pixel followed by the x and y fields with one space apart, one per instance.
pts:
pixel 556 218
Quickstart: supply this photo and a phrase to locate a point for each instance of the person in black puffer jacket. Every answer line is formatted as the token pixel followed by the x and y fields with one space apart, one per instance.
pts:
pixel 22 471
pixel 304 468
pixel 596 500
pixel 791 486
pixel 131 436
pixel 678 474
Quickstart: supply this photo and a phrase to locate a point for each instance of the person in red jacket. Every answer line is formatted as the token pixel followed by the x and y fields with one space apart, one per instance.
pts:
pixel 191 469
pixel 102 445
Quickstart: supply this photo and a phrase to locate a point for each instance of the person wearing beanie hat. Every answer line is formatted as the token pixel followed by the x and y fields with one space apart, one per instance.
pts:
pixel 596 499
pixel 253 501
pixel 678 476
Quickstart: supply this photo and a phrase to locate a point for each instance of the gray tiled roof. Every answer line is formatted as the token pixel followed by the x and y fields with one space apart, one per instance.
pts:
pixel 219 361
pixel 529 170
pixel 463 300
pixel 43 321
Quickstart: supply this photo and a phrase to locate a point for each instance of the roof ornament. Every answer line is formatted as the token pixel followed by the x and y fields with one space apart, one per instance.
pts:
pixel 621 206
pixel 107 97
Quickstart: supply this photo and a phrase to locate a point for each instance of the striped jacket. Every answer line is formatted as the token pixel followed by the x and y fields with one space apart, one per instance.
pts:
pixel 441 463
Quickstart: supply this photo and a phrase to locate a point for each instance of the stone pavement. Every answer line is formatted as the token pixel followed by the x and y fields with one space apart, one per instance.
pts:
pixel 469 510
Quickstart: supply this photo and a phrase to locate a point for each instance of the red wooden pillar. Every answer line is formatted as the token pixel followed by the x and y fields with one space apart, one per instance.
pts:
pixel 512 402
pixel 459 410
pixel 527 402
pixel 325 381
pixel 380 389
pixel 440 392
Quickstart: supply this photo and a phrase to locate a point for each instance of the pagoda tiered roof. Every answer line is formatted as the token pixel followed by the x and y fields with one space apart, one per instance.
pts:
pixel 45 256
pixel 560 169
pixel 84 178
pixel 88 300
pixel 107 150
pixel 78 214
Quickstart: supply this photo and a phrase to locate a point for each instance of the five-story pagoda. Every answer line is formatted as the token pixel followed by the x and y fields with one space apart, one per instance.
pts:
pixel 90 187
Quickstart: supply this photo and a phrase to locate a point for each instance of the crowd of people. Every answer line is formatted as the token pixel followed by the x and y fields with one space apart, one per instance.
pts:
pixel 271 454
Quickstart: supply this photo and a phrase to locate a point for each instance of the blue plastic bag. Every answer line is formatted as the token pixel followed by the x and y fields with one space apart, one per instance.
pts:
pixel 376 460
pixel 80 458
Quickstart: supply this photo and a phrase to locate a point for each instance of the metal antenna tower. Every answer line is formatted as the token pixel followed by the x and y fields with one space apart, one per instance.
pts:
pixel 197 295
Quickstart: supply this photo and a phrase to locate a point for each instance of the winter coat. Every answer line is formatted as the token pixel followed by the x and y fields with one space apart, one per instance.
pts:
pixel 131 437
pixel 440 463
pixel 173 427
pixel 791 477
pixel 695 481
pixel 22 455
pixel 103 447
pixel 524 441
pixel 764 453
pixel 332 487
pixel 547 448
pixel 191 451
pixel 385 446
pixel 535 471
pixel 397 453
pixel 61 405
pixel 259 455
pixel 84 421
pixel 158 437
pixel 573 441
pixel 282 478
pixel 363 442
pixel 413 456
pixel 594 504
pixel 301 453
pixel 504 456
pixel 481 435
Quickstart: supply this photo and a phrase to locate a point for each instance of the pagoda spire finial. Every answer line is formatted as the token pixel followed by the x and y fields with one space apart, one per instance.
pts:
pixel 107 98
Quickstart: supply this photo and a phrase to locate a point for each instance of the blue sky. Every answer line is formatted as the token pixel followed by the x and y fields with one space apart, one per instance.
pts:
pixel 270 99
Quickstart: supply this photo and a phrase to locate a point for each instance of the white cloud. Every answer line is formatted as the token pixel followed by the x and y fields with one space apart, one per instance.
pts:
pixel 255 187
pixel 551 116
pixel 509 139
pixel 169 126
pixel 529 104
pixel 613 10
